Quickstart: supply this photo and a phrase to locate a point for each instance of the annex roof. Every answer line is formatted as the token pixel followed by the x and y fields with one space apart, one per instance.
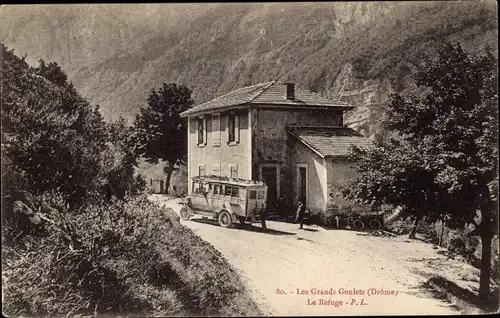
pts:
pixel 266 94
pixel 329 141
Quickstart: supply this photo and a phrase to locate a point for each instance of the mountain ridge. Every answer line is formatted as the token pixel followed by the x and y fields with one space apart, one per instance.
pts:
pixel 357 51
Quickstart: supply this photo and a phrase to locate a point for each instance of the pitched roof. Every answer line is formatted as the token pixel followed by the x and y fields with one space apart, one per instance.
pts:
pixel 329 141
pixel 270 93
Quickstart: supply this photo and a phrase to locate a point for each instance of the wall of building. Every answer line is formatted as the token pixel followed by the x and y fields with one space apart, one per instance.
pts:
pixel 224 154
pixel 271 143
pixel 340 171
pixel 317 191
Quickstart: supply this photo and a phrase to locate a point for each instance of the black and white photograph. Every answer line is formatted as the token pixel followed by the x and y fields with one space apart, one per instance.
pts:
pixel 249 159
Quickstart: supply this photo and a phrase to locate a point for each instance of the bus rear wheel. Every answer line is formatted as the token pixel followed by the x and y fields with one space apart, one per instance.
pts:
pixel 375 224
pixel 225 219
pixel 358 225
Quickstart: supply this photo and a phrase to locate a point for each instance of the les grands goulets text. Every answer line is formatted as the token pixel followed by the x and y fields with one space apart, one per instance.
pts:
pixel 350 292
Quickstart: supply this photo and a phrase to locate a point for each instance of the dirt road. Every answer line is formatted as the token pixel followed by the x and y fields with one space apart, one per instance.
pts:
pixel 287 269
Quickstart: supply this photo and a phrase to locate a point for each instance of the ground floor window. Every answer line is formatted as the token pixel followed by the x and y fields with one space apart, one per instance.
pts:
pixel 233 171
pixel 201 170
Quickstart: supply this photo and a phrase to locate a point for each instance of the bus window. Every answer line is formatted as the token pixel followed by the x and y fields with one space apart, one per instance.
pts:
pixel 196 187
pixel 234 191
pixel 227 190
pixel 243 193
pixel 261 195
pixel 253 195
pixel 216 189
pixel 203 188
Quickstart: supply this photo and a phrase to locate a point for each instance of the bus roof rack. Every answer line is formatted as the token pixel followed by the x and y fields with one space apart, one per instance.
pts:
pixel 216 178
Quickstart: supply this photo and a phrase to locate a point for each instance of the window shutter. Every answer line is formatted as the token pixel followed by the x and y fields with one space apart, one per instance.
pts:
pixel 216 130
pixel 237 128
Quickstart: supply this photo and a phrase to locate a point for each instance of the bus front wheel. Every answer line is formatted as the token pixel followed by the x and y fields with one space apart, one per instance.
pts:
pixel 225 219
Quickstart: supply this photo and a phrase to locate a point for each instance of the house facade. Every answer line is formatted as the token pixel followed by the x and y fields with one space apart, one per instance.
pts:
pixel 291 139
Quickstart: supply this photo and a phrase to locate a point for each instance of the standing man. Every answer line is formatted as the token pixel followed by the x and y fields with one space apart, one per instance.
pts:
pixel 263 217
pixel 282 209
pixel 299 218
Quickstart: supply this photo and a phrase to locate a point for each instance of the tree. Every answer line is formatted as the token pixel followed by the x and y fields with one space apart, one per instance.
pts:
pixel 53 72
pixel 442 158
pixel 159 131
pixel 53 140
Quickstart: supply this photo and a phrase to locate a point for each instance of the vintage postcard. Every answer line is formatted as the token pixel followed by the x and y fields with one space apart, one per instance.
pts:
pixel 250 159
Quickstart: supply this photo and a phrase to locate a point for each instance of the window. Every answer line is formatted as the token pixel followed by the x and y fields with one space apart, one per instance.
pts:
pixel 243 193
pixel 233 171
pixel 201 131
pixel 216 130
pixel 217 189
pixel 234 192
pixel 201 170
pixel 253 194
pixel 196 187
pixel 227 191
pixel 201 127
pixel 261 195
pixel 216 169
pixel 231 128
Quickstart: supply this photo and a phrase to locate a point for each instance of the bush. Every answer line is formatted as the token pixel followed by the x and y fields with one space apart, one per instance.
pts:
pixel 120 257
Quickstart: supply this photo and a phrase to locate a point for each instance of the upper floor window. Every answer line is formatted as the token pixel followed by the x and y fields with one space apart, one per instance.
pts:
pixel 233 129
pixel 216 130
pixel 231 124
pixel 200 131
pixel 201 127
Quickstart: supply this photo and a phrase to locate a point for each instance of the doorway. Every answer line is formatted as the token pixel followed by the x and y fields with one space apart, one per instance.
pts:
pixel 269 174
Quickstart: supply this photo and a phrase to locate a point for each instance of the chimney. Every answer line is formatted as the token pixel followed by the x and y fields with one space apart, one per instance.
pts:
pixel 290 91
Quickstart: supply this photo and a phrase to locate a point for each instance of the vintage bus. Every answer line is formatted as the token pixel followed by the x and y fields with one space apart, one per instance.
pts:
pixel 225 199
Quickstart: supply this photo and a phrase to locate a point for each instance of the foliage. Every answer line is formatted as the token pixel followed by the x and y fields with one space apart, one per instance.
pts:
pixel 89 263
pixel 54 138
pixel 159 131
pixel 120 162
pixel 443 161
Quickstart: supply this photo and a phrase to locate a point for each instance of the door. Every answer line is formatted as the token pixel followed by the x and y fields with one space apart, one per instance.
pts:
pixel 269 177
pixel 302 185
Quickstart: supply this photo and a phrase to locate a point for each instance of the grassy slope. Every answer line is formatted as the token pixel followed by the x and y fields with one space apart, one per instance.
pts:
pixel 133 258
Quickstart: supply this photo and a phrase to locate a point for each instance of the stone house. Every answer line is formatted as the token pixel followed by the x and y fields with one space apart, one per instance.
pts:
pixel 291 139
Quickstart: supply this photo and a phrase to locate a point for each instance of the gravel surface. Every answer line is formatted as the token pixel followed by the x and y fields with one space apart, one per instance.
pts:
pixel 326 272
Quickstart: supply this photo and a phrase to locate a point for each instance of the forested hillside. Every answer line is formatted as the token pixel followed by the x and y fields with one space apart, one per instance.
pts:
pixel 360 51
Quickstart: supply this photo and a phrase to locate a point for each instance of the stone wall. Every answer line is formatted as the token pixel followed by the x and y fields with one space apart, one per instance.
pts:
pixel 271 144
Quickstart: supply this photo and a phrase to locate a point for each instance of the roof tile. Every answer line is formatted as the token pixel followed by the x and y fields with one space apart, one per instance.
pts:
pixel 273 93
pixel 329 141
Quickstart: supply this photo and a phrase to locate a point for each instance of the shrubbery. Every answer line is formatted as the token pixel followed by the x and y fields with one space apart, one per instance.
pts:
pixel 124 256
